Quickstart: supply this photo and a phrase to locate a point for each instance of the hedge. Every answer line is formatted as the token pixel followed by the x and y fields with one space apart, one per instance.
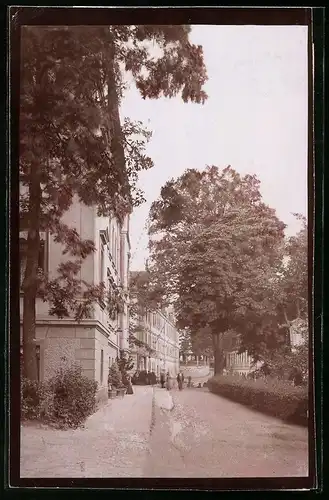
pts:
pixel 273 397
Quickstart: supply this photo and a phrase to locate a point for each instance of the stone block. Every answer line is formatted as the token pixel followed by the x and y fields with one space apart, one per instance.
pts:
pixel 87 343
pixel 85 333
pixel 41 332
pixel 85 354
pixel 88 364
pixel 60 332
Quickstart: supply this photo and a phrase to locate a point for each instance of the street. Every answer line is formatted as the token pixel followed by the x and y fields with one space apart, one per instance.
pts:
pixel 160 433
pixel 205 435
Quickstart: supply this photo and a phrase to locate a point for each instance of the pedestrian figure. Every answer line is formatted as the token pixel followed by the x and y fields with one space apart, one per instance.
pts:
pixel 189 381
pixel 180 380
pixel 162 379
pixel 153 378
pixel 129 385
pixel 168 381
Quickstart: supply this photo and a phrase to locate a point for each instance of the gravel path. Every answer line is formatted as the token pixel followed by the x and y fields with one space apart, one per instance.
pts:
pixel 113 443
pixel 194 434
pixel 205 435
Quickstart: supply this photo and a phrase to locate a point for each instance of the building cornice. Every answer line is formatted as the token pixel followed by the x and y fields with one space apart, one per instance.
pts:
pixel 88 323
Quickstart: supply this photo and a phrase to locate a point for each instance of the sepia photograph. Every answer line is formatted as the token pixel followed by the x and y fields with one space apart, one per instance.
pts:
pixel 164 274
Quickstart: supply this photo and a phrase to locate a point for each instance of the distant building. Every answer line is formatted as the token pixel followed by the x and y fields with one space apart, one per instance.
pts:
pixel 93 343
pixel 158 337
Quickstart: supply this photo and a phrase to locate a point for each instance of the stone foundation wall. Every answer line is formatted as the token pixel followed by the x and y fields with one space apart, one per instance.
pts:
pixel 64 345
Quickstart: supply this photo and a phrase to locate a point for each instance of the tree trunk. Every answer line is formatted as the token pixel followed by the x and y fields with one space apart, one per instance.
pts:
pixel 219 358
pixel 298 307
pixel 30 283
pixel 30 369
pixel 116 136
pixel 29 303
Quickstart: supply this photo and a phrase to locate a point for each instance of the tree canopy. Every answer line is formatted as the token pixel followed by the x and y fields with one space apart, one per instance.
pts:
pixel 73 144
pixel 216 249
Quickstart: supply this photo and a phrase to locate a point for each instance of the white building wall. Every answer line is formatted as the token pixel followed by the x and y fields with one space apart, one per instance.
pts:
pixel 59 338
pixel 162 336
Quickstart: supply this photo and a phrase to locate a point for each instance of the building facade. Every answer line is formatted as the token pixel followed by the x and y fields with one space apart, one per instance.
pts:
pixel 92 343
pixel 157 331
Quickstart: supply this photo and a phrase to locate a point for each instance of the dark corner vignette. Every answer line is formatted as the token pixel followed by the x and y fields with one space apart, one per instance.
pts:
pixel 68 16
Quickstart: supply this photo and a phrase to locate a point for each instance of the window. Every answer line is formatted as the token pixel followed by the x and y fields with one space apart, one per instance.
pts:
pixel 122 261
pixel 118 253
pixel 101 263
pixel 102 365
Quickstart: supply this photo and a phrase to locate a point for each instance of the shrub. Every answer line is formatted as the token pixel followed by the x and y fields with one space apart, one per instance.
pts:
pixel 74 397
pixel 36 400
pixel 125 364
pixel 66 400
pixel 115 377
pixel 274 397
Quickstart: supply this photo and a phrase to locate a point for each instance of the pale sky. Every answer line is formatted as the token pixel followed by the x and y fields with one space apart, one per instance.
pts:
pixel 255 120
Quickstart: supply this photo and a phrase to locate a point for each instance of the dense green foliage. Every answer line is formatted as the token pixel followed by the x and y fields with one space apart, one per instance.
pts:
pixel 73 145
pixel 273 397
pixel 66 400
pixel 115 377
pixel 220 255
pixel 217 255
pixel 126 364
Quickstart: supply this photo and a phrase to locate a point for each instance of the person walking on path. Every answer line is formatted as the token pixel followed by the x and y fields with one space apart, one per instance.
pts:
pixel 168 381
pixel 189 381
pixel 162 380
pixel 130 389
pixel 180 380
pixel 153 378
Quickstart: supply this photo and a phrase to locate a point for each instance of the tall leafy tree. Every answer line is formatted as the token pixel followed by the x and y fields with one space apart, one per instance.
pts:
pixel 185 344
pixel 291 361
pixel 216 250
pixel 295 274
pixel 74 146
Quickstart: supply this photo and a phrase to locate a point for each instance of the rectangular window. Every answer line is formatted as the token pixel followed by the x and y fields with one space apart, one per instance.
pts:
pixel 102 366
pixel 101 263
pixel 122 260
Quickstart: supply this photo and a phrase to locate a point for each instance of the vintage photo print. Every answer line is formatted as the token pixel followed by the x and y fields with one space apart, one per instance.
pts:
pixel 162 287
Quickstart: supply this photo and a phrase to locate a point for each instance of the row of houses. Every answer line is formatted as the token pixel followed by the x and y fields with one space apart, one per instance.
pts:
pixel 161 340
pixel 94 343
pixel 91 343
